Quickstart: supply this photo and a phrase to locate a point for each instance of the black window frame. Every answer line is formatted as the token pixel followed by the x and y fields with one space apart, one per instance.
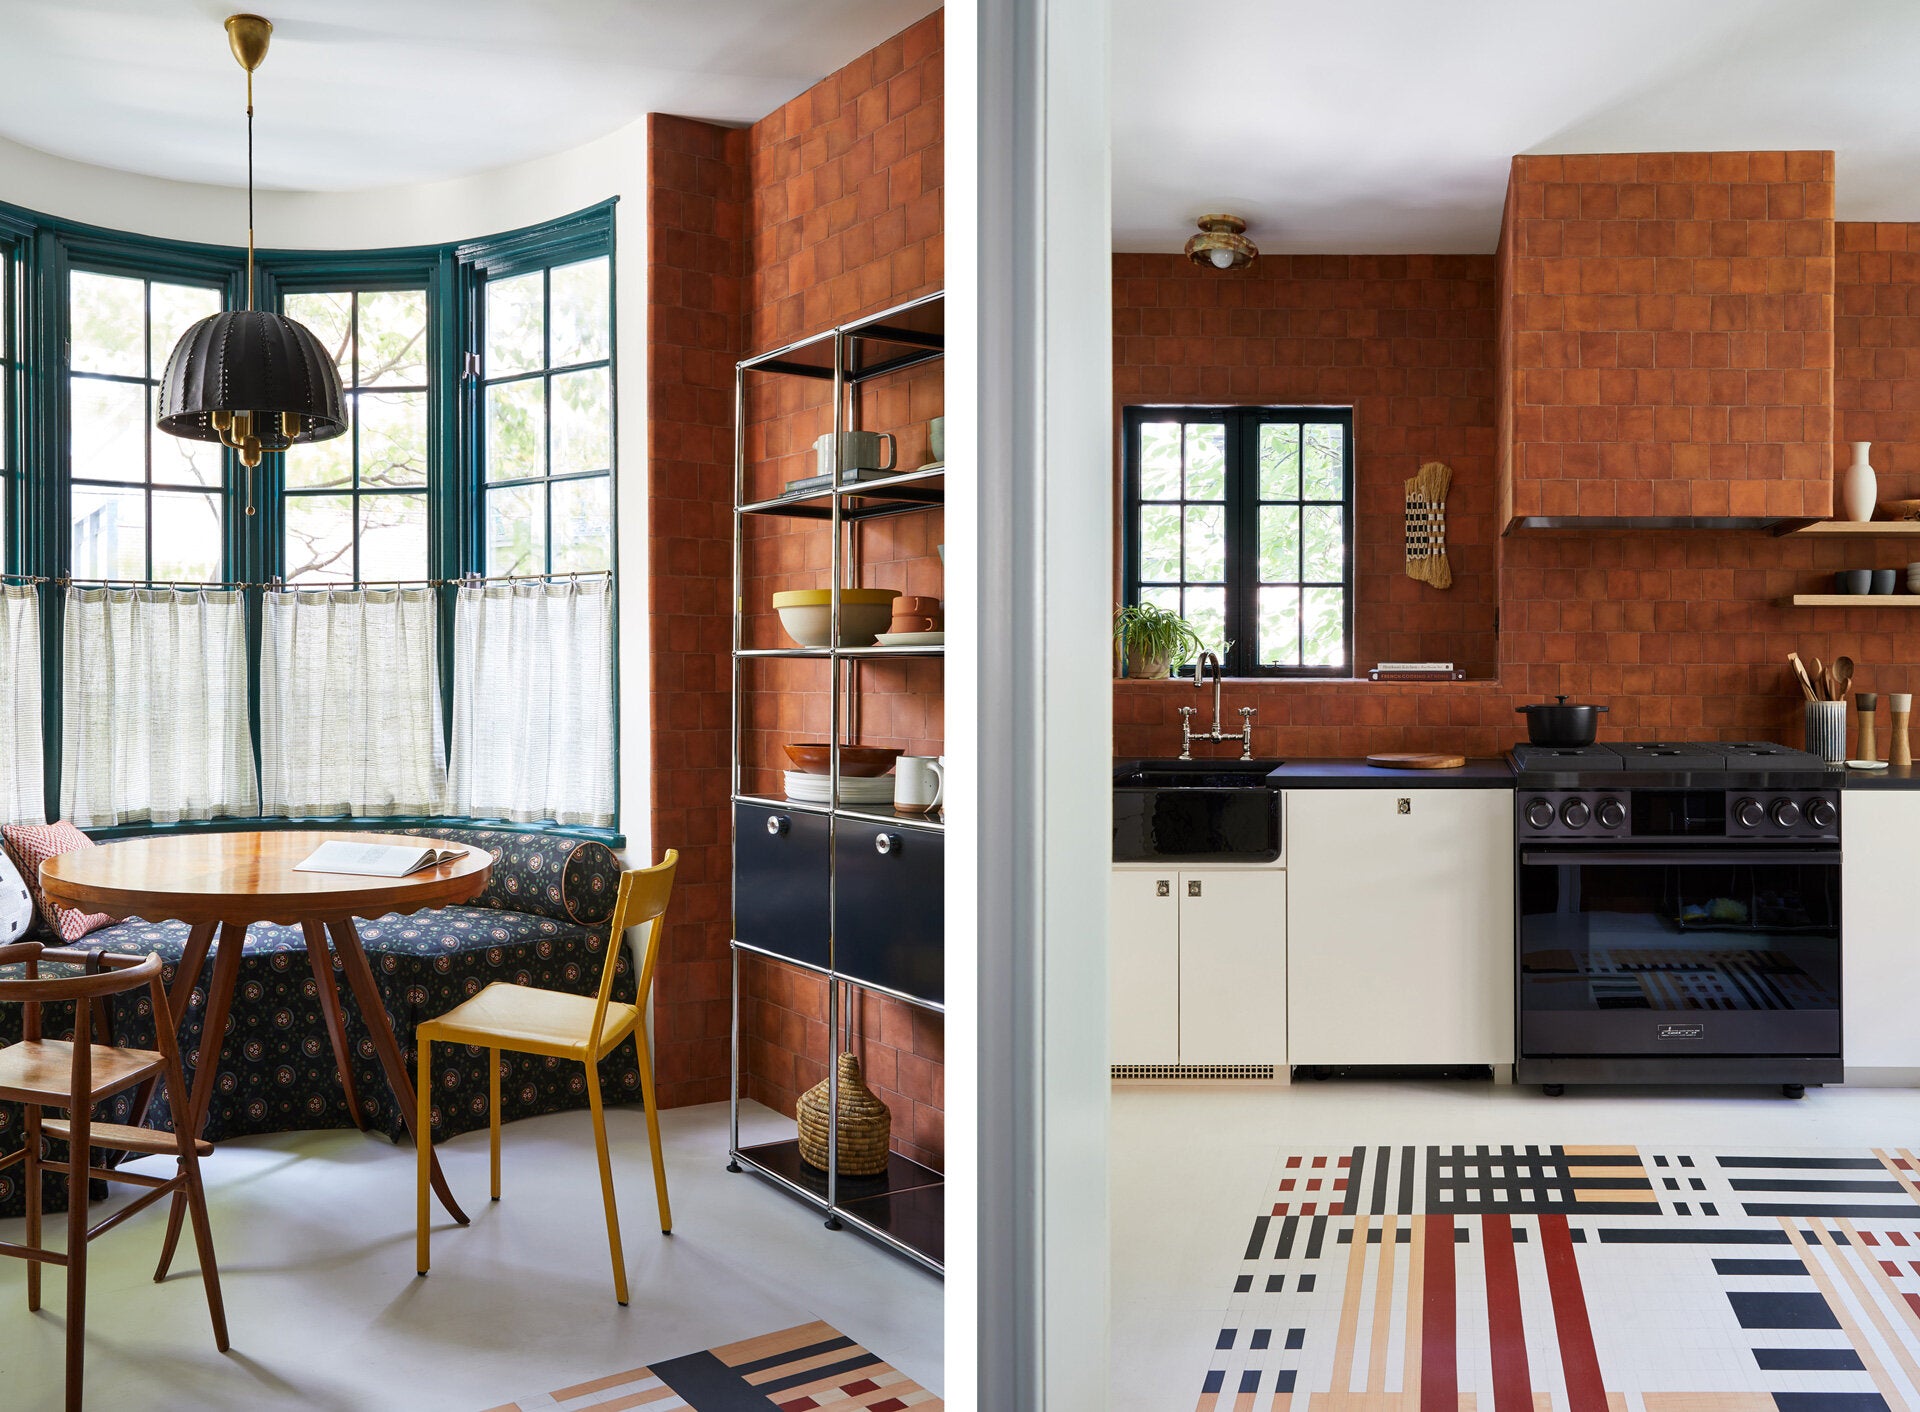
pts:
pixel 1243 502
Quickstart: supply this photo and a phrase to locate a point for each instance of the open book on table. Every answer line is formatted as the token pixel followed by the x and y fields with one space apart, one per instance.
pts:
pixel 375 860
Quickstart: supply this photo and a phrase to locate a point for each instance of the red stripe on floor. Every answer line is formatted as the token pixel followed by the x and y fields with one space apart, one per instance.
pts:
pixel 1578 1360
pixel 1512 1385
pixel 1439 1373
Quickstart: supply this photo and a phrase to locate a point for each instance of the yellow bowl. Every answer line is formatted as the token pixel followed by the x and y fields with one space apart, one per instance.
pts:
pixel 820 597
pixel 807 615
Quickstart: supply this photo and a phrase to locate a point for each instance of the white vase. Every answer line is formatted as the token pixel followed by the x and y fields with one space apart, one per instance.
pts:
pixel 1859 487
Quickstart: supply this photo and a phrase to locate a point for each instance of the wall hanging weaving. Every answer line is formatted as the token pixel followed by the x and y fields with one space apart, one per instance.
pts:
pixel 1427 525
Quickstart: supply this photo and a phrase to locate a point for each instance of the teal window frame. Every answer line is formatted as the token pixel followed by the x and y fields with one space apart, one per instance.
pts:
pixel 35 471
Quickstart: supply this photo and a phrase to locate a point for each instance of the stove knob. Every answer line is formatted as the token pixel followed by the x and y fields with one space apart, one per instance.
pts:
pixel 1575 813
pixel 1611 813
pixel 1539 813
pixel 1785 813
pixel 1748 814
pixel 1821 813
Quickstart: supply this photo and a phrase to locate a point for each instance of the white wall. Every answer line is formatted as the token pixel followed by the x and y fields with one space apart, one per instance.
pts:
pixel 433 214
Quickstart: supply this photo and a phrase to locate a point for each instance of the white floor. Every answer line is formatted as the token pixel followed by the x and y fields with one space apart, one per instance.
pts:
pixel 315 1237
pixel 1191 1163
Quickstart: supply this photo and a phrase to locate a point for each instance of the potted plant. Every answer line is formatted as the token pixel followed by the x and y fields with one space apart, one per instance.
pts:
pixel 1150 641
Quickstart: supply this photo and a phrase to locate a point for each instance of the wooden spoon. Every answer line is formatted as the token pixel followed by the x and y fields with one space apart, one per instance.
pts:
pixel 1800 671
pixel 1819 679
pixel 1842 671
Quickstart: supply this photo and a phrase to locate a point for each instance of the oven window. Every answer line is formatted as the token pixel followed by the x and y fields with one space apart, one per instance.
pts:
pixel 1679 937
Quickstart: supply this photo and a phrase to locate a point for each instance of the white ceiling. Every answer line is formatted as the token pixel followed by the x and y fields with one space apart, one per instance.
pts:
pixel 371 93
pixel 1384 126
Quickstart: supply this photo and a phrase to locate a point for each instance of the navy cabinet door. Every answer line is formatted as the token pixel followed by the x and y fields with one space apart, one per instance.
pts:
pixel 781 901
pixel 889 929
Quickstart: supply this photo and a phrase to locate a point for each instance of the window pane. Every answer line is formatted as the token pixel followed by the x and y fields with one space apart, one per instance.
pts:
pixel 517 530
pixel 1206 543
pixel 330 318
pixel 1206 461
pixel 582 525
pixel 516 339
pixel 186 535
pixel 319 539
pixel 314 464
pixel 1168 598
pixel 1325 610
pixel 176 308
pixel 178 461
pixel 516 430
pixel 1323 461
pixel 1206 611
pixel 1279 627
pixel 582 422
pixel 1279 544
pixel 109 533
pixel 393 338
pixel 109 430
pixel 393 536
pixel 581 312
pixel 1159 543
pixel 108 323
pixel 1325 557
pixel 1280 461
pixel 393 439
pixel 1160 461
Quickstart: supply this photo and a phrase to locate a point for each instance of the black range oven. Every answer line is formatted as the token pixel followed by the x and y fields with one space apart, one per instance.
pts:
pixel 1678 923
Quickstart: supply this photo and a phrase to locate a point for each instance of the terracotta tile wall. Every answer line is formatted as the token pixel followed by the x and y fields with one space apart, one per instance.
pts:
pixel 1407 342
pixel 830 207
pixel 1672 334
pixel 1680 632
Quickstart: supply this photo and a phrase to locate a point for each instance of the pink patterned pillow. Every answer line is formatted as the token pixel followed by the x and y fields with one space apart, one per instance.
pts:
pixel 31 845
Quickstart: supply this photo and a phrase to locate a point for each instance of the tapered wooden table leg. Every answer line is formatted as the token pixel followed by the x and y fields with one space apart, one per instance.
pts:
pixel 321 959
pixel 206 1068
pixel 199 938
pixel 353 960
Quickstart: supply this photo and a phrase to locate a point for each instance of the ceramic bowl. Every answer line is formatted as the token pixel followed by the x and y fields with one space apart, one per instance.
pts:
pixel 856 761
pixel 1913 578
pixel 1853 582
pixel 807 615
pixel 1883 580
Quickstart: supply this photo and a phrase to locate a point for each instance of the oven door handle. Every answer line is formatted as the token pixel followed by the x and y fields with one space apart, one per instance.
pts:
pixel 1621 857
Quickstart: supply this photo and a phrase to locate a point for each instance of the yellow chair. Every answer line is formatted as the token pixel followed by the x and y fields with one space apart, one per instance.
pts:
pixel 562 1026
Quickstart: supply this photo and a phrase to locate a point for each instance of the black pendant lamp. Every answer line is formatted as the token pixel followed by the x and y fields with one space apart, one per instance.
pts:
pixel 249 379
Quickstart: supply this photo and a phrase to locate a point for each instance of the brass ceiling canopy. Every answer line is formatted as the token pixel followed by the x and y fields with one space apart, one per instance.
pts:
pixel 247 36
pixel 1221 244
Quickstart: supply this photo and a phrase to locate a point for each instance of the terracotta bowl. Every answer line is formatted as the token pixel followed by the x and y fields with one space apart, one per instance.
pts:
pixel 856 761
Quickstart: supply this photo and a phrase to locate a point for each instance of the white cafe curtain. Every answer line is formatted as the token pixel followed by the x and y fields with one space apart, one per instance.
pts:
pixel 350 711
pixel 533 703
pixel 22 785
pixel 154 702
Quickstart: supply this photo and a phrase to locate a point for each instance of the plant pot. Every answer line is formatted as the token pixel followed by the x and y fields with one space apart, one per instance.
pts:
pixel 1139 666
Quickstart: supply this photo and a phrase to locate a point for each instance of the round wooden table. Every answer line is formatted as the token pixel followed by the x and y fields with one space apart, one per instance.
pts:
pixel 224 882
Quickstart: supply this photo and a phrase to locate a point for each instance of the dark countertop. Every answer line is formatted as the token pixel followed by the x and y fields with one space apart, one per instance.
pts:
pixel 1480 772
pixel 1900 777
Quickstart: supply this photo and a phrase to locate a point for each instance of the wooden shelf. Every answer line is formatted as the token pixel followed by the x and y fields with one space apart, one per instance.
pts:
pixel 1891 529
pixel 1853 600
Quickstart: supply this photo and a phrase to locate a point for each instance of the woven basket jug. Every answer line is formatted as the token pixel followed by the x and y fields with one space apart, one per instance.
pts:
pixel 865 1124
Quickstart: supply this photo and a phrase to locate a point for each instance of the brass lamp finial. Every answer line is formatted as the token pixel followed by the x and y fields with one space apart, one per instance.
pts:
pixel 247 36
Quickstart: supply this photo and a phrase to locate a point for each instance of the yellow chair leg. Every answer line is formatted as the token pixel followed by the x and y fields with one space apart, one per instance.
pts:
pixel 653 1132
pixel 493 1114
pixel 606 1182
pixel 423 1150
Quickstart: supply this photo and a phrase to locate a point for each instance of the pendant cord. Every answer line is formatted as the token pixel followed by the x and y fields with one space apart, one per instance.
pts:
pixel 249 189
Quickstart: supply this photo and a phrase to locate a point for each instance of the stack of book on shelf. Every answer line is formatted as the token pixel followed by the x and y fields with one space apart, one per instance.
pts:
pixel 1415 671
pixel 808 484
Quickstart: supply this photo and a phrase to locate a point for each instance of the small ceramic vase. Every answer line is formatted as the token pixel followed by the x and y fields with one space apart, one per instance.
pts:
pixel 1867 704
pixel 1859 486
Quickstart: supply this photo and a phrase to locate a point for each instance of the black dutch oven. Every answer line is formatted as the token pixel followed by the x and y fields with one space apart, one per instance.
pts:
pixel 1555 723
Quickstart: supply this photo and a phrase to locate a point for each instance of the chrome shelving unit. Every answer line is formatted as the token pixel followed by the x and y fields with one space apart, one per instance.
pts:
pixel 903 1209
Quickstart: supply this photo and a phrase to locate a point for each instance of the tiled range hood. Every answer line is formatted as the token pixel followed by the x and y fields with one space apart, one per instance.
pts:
pixel 1666 341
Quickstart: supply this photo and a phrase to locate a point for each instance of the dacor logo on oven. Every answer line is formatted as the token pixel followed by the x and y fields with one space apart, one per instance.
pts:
pixel 1693 1031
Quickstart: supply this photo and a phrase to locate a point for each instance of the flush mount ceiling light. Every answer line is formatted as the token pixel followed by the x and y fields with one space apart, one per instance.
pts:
pixel 251 380
pixel 1222 245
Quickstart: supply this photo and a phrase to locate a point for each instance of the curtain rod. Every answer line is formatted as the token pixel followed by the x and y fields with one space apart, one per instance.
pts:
pixel 278 585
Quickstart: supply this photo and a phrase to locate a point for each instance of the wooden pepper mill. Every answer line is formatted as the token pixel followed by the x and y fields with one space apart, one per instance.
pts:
pixel 1901 704
pixel 1868 704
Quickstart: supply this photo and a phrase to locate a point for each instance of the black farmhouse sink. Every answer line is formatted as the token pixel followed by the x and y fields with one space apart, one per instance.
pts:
pixel 1195 811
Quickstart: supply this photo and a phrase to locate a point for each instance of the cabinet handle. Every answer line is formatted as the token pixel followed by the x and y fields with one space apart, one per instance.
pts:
pixel 1193 889
pixel 887 843
pixel 1163 888
pixel 1406 806
pixel 778 824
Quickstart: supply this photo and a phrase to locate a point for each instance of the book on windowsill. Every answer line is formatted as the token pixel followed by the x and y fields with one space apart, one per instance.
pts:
pixel 823 482
pixel 374 860
pixel 1415 671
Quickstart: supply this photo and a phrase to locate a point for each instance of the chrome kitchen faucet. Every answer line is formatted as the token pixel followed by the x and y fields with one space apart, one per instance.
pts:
pixel 1247 713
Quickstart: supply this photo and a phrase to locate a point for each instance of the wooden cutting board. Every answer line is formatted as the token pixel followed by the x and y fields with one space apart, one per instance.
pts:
pixel 1418 761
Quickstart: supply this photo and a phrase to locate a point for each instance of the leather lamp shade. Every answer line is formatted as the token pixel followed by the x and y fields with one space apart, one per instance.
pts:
pixel 249 375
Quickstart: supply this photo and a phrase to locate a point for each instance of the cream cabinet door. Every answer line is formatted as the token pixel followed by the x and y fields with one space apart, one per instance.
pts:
pixel 1233 966
pixel 1879 929
pixel 1143 966
pixel 1400 932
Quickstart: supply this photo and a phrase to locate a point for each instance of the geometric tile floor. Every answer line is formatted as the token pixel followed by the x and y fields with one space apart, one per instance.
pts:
pixel 1578 1278
pixel 801 1369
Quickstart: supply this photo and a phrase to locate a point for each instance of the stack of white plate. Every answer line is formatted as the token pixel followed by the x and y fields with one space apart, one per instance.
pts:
pixel 818 789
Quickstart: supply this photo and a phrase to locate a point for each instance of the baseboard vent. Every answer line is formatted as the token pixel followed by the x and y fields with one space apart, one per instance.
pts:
pixel 1193 1071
